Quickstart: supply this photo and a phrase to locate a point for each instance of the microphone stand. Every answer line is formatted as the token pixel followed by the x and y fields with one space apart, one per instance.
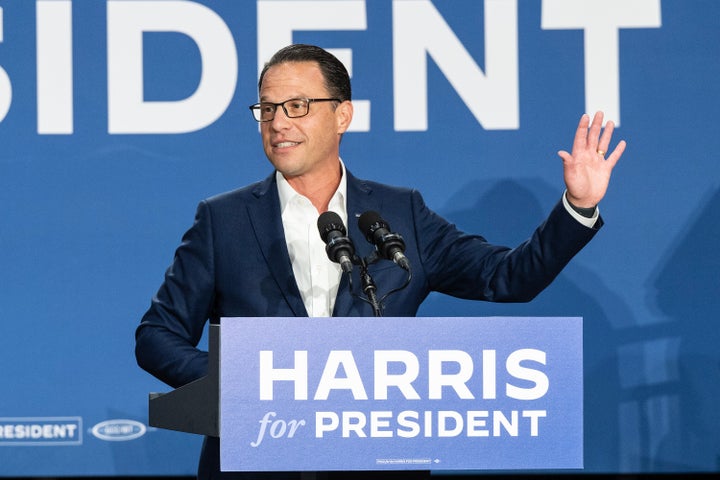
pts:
pixel 369 288
pixel 368 284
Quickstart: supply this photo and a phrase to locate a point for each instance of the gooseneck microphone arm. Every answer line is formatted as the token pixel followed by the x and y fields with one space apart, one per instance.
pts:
pixel 340 249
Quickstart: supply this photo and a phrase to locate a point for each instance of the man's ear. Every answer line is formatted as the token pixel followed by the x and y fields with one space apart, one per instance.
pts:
pixel 344 114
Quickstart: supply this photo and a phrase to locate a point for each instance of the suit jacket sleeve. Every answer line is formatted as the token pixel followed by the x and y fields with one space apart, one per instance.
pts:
pixel 167 338
pixel 467 266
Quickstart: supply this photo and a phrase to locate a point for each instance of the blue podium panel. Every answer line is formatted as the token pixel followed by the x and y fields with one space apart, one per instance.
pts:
pixel 401 393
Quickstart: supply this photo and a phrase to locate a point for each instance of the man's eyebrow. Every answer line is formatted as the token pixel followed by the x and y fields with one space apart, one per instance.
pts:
pixel 293 97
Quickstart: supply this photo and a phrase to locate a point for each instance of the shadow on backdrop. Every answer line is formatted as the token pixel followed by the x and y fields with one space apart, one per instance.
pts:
pixel 685 290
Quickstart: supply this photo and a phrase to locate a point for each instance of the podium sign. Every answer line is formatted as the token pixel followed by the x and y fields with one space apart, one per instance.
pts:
pixel 313 394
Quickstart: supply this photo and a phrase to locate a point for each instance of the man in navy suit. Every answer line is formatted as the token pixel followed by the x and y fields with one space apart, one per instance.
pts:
pixel 256 251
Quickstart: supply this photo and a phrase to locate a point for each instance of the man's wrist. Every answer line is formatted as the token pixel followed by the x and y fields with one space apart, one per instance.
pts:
pixel 585 212
pixel 586 216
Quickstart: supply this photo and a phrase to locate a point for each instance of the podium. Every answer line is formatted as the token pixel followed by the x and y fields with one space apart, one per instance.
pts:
pixel 341 394
pixel 192 408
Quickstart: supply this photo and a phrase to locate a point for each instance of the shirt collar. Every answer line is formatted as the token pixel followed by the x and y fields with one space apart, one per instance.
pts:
pixel 286 193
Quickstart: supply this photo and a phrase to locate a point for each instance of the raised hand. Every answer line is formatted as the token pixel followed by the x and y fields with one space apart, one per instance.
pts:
pixel 586 170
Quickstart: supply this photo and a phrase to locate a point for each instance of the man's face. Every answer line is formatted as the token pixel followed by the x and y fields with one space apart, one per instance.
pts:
pixel 308 145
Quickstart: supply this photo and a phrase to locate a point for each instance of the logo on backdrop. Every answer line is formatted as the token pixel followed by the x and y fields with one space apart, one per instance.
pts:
pixel 119 430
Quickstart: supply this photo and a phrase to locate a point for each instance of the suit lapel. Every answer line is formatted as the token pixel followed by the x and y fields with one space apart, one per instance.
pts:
pixel 266 221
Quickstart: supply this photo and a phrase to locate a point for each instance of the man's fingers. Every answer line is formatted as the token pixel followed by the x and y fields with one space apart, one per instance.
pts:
pixel 581 134
pixel 604 144
pixel 594 133
pixel 566 157
pixel 617 153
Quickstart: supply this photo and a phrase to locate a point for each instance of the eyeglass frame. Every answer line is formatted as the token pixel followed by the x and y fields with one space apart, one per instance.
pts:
pixel 256 107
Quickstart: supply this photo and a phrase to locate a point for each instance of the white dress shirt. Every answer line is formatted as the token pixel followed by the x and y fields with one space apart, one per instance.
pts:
pixel 318 278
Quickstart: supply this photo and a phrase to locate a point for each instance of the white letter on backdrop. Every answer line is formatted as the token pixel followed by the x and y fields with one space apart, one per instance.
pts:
pixel 54 67
pixel 601 20
pixel 127 111
pixel 492 97
pixel 277 19
pixel 5 85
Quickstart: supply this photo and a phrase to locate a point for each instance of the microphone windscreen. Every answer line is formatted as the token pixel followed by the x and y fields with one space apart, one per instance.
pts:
pixel 369 222
pixel 328 222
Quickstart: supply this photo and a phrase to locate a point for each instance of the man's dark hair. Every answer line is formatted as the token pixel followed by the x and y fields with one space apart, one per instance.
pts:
pixel 337 79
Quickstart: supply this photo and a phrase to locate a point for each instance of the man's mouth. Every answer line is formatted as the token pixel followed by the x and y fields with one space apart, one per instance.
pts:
pixel 286 144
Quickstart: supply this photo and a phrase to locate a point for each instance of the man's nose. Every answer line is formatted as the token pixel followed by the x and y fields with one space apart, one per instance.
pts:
pixel 280 121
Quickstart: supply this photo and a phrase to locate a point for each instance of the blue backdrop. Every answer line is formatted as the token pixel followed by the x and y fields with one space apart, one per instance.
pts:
pixel 117 117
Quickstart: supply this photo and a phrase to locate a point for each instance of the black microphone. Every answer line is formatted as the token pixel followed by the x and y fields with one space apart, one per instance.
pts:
pixel 389 245
pixel 338 246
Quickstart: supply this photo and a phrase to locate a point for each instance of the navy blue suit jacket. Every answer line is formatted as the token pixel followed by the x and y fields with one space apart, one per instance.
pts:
pixel 234 262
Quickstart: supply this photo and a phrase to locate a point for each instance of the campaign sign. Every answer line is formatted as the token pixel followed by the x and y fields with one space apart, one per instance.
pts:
pixel 313 394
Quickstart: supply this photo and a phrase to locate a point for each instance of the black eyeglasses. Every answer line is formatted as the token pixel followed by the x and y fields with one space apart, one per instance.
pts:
pixel 293 108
